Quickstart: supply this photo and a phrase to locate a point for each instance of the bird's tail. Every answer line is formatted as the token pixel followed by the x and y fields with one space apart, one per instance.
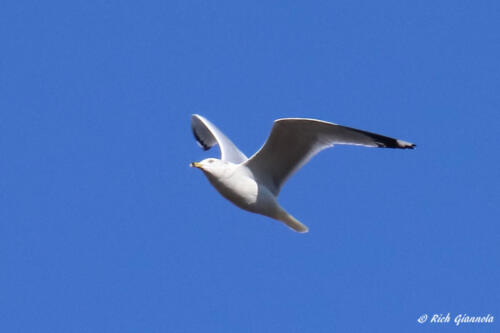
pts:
pixel 291 221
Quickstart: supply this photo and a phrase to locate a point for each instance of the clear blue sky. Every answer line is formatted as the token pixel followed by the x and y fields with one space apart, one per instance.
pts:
pixel 105 228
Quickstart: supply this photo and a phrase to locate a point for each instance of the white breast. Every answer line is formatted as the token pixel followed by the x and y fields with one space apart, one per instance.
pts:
pixel 238 187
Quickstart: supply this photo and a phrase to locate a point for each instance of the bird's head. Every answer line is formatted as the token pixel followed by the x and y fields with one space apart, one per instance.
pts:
pixel 211 166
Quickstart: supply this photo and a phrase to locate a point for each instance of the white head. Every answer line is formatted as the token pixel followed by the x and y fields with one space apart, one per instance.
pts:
pixel 212 167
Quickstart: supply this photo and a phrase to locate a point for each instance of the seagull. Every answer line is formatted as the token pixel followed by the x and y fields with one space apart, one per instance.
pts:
pixel 254 183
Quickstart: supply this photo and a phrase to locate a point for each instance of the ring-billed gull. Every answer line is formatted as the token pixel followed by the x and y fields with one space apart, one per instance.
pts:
pixel 254 183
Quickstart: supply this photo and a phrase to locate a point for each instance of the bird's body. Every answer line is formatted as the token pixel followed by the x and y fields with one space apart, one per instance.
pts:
pixel 236 183
pixel 254 183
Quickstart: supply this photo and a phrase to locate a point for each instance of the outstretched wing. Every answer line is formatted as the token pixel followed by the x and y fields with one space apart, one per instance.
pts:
pixel 208 135
pixel 294 141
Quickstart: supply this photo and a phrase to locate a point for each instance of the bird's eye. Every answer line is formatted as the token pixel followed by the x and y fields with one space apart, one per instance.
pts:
pixel 210 161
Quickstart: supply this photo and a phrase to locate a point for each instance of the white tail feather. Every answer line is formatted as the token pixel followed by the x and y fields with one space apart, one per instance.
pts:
pixel 291 221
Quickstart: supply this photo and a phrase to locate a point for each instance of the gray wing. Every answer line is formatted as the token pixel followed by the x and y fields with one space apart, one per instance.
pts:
pixel 208 135
pixel 294 141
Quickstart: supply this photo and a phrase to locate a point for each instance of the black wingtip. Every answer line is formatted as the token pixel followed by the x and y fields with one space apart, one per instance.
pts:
pixel 395 143
pixel 406 145
pixel 202 144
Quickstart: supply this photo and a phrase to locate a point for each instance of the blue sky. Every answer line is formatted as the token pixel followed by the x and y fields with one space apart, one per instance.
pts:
pixel 105 228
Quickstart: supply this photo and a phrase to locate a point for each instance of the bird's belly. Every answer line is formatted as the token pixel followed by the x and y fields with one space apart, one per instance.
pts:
pixel 242 191
pixel 247 194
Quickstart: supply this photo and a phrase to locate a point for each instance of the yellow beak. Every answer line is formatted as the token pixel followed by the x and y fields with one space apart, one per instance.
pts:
pixel 195 165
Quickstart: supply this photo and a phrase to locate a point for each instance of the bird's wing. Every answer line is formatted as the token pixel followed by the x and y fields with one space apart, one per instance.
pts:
pixel 293 141
pixel 208 135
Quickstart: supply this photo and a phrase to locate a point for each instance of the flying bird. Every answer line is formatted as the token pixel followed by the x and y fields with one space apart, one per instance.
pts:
pixel 254 183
